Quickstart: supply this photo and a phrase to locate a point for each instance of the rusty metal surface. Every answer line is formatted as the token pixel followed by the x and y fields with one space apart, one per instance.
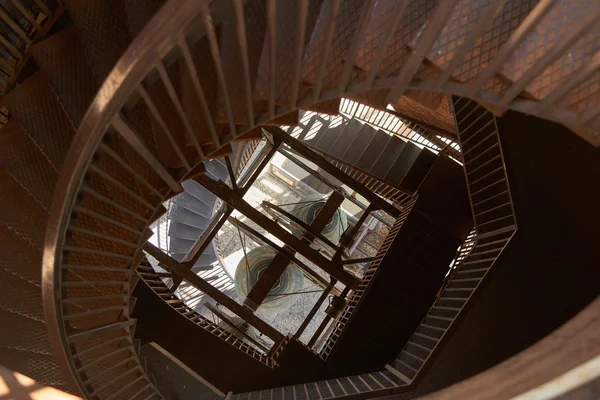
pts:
pixel 102 26
pixel 23 159
pixel 35 106
pixel 139 12
pixel 61 57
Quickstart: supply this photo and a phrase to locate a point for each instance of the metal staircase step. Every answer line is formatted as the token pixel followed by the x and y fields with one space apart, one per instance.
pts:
pixel 178 245
pixel 188 217
pixel 26 163
pixel 191 203
pixel 61 57
pixel 22 216
pixel 419 170
pixel 470 271
pixel 345 139
pixel 104 32
pixel 312 131
pixel 403 164
pixel 405 369
pixel 433 327
pixel 410 361
pixel 359 144
pixel 38 110
pixel 203 260
pixel 217 169
pixel 483 260
pixel 388 157
pixel 334 130
pixel 373 150
pixel 399 374
pixel 198 191
pixel 184 231
pixel 22 295
pixel 86 334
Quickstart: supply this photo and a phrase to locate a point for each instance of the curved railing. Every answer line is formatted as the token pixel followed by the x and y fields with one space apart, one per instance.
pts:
pixel 113 182
pixel 141 58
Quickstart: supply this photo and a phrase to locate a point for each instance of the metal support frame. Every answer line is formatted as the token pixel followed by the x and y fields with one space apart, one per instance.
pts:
pixel 202 243
pixel 318 332
pixel 312 275
pixel 323 163
pixel 225 318
pixel 199 283
pixel 347 236
pixel 230 172
pixel 216 223
pixel 315 308
pixel 273 272
pixel 359 260
pixel 326 181
pixel 235 199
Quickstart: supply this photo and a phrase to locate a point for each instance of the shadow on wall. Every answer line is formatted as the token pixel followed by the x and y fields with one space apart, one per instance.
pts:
pixel 549 271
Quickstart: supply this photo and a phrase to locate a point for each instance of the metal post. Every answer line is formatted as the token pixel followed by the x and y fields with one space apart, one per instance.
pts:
pixel 312 275
pixel 315 308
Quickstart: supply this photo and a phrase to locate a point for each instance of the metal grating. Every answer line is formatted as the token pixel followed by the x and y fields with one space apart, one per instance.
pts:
pixel 102 27
pixel 36 108
pixel 60 58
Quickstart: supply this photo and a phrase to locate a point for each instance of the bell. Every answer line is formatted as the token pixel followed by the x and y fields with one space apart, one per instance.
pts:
pixel 250 269
pixel 307 212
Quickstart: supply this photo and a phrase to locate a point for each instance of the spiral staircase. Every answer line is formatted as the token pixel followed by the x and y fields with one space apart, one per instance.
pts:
pixel 116 107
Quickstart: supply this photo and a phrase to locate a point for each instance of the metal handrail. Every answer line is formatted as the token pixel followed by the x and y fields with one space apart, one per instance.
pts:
pixel 136 63
pixel 170 28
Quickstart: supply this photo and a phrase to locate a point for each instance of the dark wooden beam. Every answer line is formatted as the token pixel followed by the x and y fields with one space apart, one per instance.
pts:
pixel 315 308
pixel 214 293
pixel 258 293
pixel 275 269
pixel 347 236
pixel 324 164
pixel 235 200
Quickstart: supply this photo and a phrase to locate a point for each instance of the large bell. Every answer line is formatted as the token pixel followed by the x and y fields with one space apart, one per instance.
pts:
pixel 247 274
pixel 308 210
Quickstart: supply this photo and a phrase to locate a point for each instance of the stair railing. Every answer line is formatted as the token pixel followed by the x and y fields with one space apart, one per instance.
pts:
pixel 359 293
pixel 81 265
pixel 495 225
pixel 394 125
pixel 156 284
pixel 385 190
